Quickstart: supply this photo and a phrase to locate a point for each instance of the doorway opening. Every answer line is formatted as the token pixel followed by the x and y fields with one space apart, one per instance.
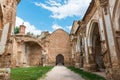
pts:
pixel 59 59
pixel 96 48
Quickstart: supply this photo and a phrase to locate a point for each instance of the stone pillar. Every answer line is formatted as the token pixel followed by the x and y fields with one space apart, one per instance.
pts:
pixel 86 55
pixel 89 60
pixel 4 38
pixel 113 72
pixel 24 54
pixel 44 58
pixel 81 60
pixel 77 60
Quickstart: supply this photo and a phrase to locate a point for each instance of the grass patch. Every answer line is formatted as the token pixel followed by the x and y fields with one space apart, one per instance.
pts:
pixel 29 73
pixel 86 75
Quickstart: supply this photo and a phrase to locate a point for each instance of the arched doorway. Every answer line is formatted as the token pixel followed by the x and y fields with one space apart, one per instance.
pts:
pixel 59 59
pixel 96 47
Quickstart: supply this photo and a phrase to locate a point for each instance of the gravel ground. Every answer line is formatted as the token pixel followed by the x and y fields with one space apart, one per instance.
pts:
pixel 62 73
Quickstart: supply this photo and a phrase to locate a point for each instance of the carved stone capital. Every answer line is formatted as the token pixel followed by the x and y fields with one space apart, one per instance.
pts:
pixel 104 5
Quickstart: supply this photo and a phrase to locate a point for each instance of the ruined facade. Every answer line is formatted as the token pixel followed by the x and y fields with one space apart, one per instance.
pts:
pixel 59 48
pixel 93 43
pixel 95 38
pixel 7 23
pixel 47 49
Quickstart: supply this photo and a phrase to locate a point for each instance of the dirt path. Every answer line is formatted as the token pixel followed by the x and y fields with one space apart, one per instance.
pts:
pixel 62 73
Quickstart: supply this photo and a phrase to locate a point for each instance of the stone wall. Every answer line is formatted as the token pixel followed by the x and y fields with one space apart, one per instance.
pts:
pixel 7 24
pixel 34 54
pixel 29 51
pixel 105 13
pixel 59 43
pixel 25 52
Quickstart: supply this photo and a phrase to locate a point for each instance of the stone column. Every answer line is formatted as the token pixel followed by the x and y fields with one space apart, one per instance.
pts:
pixel 92 65
pixel 4 37
pixel 77 61
pixel 81 60
pixel 44 58
pixel 24 55
pixel 113 72
pixel 89 60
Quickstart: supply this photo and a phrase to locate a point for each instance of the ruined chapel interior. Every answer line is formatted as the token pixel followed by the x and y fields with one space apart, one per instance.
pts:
pixel 93 43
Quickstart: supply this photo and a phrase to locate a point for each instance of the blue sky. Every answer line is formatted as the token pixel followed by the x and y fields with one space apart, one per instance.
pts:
pixel 49 15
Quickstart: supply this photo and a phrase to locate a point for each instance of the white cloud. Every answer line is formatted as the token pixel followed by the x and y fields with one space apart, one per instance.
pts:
pixel 29 27
pixel 69 27
pixel 53 3
pixel 69 8
pixel 56 26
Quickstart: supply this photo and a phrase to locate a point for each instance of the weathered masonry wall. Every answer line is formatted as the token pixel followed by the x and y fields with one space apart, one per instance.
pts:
pixel 101 35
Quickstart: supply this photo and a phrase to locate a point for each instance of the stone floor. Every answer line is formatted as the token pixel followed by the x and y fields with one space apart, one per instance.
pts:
pixel 62 73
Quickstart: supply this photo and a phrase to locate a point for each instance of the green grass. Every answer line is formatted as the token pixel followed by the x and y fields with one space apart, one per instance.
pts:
pixel 29 73
pixel 86 75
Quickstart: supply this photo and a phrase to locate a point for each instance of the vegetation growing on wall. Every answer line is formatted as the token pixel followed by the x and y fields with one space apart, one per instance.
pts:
pixel 16 30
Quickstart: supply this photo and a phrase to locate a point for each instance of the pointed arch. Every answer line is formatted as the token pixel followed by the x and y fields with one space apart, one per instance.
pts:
pixel 94 45
pixel 93 24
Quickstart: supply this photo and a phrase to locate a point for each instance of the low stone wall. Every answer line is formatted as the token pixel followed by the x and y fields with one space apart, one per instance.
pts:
pixel 5 73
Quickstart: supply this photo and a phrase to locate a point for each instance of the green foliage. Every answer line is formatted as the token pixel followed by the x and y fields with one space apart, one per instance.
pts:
pixel 16 30
pixel 86 75
pixel 29 73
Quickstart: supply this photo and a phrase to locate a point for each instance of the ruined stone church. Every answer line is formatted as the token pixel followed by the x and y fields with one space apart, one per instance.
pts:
pixel 93 43
pixel 45 50
pixel 96 39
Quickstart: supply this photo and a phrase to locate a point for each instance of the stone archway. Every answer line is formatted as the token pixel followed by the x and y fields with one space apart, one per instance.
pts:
pixel 33 54
pixel 96 57
pixel 59 59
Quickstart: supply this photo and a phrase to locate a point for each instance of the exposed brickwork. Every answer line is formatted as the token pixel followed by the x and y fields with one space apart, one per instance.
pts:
pixel 59 43
pixel 7 24
pixel 98 45
pixel 29 51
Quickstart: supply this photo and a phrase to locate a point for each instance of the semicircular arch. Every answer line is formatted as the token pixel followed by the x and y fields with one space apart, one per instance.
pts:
pixel 30 39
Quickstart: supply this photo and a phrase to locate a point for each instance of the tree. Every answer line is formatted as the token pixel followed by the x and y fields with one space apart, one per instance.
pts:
pixel 16 30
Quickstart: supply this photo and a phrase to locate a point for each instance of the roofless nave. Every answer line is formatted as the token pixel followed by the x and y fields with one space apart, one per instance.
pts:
pixel 93 43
